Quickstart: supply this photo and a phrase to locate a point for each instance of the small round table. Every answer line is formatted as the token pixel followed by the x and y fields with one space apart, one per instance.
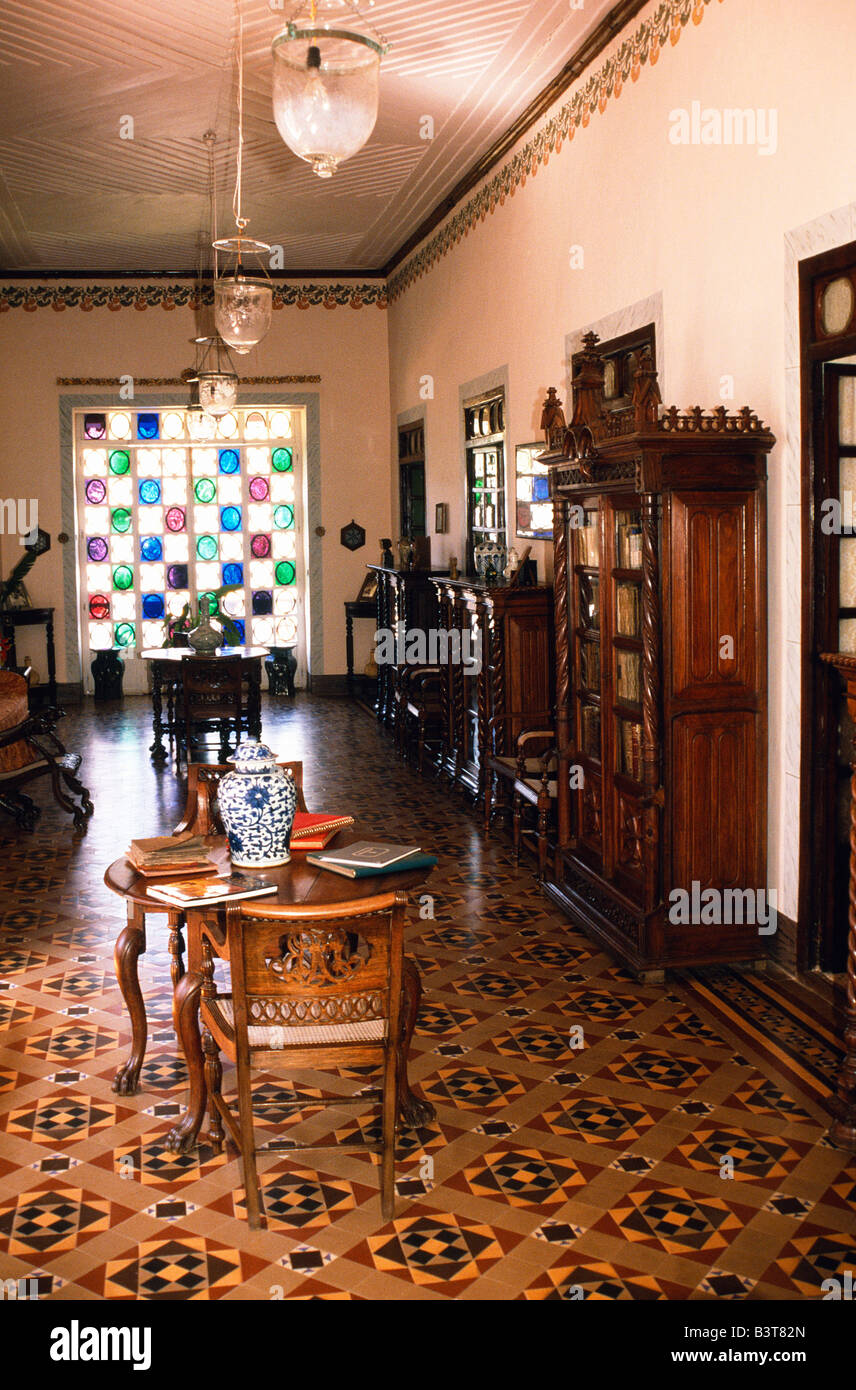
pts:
pixel 166 672
pixel 297 882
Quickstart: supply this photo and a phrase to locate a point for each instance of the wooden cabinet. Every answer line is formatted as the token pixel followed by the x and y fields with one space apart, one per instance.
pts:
pixel 406 600
pixel 510 633
pixel 660 578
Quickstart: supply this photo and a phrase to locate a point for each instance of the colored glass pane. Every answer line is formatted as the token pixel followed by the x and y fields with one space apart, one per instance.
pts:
pixel 233 574
pixel 94 426
pixel 99 607
pixel 120 519
pixel 153 606
pixel 262 602
pixel 175 519
pixel 282 460
pixel 125 634
pixel 230 461
pixel 259 489
pixel 230 518
pixel 151 549
pixel 211 600
pixel 242 631
pixel 176 576
pixel 206 547
pixel 96 548
pixel 120 461
pixel 205 490
pixel 148 427
pixel 260 546
pixel 123 577
pixel 150 491
pixel 283 517
pixel 285 572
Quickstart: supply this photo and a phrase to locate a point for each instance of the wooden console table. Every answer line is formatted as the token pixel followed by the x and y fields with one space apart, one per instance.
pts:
pixel 355 608
pixel 843 1103
pixel 12 618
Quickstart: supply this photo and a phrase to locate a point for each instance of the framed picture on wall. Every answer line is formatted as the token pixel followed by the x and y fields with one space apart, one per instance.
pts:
pixel 441 518
pixel 534 512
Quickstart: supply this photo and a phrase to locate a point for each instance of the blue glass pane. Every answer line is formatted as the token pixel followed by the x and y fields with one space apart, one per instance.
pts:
pixel 230 461
pixel 151 549
pixel 233 574
pixel 153 606
pixel 283 517
pixel 262 602
pixel 540 489
pixel 230 518
pixel 242 631
pixel 148 427
pixel 150 490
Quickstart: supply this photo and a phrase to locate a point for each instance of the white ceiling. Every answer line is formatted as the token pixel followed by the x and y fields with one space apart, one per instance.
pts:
pixel 76 197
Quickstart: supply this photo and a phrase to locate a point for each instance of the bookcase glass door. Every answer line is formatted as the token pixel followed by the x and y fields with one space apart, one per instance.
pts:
pixel 172 508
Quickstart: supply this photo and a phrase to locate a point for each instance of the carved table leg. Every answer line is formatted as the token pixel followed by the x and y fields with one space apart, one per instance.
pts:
pixel 157 749
pixel 186 1011
pixel 176 948
pixel 130 944
pixel 414 1111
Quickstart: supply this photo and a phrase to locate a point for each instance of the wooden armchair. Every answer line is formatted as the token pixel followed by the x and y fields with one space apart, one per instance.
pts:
pixel 312 987
pixel 29 748
pixel 213 698
pixel 419 709
pixel 201 812
pixel 530 770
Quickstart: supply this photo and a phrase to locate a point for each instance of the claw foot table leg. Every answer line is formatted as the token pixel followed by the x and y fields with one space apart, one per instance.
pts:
pixel 183 1136
pixel 129 946
pixel 414 1110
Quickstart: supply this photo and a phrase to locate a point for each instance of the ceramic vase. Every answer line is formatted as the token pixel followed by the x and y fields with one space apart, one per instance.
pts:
pixel 257 803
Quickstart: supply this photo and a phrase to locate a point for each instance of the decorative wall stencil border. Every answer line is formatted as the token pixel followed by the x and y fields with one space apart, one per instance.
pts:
pixel 664 26
pixel 88 297
pixel 314 590
pixel 176 381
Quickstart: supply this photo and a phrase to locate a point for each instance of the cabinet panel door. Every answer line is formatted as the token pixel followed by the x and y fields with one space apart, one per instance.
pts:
pixel 713 595
pixel 714 801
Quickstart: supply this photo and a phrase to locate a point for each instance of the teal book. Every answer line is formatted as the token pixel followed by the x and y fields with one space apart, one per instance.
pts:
pixel 415 861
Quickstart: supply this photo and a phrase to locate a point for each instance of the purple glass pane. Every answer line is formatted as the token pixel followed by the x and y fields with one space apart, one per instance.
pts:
pixel 96 548
pixel 96 491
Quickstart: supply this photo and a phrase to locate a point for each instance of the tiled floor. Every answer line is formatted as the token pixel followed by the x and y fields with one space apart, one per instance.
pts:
pixel 592 1134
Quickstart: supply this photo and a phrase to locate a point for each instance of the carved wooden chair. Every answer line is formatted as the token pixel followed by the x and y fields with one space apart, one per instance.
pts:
pixel 29 748
pixel 212 698
pixel 529 771
pixel 418 709
pixel 201 811
pixel 312 988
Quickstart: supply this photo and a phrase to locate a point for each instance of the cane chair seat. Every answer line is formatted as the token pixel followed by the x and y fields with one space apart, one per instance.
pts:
pixel 274 1037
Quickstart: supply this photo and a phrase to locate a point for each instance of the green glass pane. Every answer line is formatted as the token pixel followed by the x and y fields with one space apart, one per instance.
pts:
pixel 285 572
pixel 206 548
pixel 120 461
pixel 211 600
pixel 120 519
pixel 125 636
pixel 283 517
pixel 205 490
pixel 282 460
pixel 123 577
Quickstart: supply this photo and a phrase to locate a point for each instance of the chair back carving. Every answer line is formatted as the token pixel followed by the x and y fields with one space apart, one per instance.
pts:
pixel 201 810
pixel 301 966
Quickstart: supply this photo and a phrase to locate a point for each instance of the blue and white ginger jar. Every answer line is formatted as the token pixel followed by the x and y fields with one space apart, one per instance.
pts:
pixel 257 803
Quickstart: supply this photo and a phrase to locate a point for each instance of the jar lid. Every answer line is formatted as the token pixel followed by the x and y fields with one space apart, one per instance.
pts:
pixel 251 754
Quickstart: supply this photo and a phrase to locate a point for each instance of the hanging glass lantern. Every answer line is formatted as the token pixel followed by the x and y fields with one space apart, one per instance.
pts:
pixel 242 303
pixel 216 383
pixel 326 65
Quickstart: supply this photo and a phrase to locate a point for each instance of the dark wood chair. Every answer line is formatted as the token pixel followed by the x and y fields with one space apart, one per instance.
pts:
pixel 30 748
pixel 201 812
pixel 313 988
pixel 418 710
pixel 530 772
pixel 212 699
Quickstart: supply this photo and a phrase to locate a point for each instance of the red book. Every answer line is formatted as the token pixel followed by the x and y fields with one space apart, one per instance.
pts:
pixel 313 831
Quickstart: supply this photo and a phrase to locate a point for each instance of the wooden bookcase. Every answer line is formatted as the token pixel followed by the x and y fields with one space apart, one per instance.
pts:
pixel 660 582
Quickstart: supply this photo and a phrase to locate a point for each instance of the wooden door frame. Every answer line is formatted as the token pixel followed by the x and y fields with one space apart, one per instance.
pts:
pixel 813 356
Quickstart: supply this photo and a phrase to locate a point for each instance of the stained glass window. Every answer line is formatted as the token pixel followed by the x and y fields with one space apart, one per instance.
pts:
pixel 166 520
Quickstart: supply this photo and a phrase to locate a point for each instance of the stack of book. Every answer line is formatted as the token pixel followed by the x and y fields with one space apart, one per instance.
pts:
pixel 363 859
pixel 206 891
pixel 629 535
pixel 589 545
pixel 314 831
pixel 628 602
pixel 628 686
pixel 165 855
pixel 631 749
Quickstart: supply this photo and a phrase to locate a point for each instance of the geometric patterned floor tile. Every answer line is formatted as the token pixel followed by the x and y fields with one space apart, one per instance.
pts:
pixel 178 1266
pixel 662 1071
pixel 576 1278
pixel 72 1042
pixel 301 1199
pixel 526 1178
pixel 597 1119
pixel 535 1043
pixel 675 1220
pixel 757 1158
pixel 759 1096
pixel 63 1120
pixel 812 1256
pixel 720 1284
pixel 439 1251
pixel 495 984
pixel 49 1220
pixel 149 1162
pixel 444 1019
pixel 474 1088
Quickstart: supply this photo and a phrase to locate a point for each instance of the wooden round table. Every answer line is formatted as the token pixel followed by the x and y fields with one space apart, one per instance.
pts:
pixel 297 882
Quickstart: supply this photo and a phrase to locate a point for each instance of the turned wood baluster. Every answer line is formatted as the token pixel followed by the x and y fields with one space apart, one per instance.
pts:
pixel 651 640
pixel 563 648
